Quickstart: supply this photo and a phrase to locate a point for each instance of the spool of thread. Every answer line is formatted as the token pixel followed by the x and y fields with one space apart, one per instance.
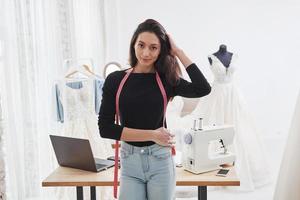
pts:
pixel 195 127
pixel 200 124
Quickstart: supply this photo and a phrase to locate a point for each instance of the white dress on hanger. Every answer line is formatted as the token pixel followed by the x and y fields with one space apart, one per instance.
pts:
pixel 81 121
pixel 288 181
pixel 225 105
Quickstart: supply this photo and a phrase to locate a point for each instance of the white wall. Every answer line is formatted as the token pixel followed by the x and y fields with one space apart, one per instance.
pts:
pixel 265 36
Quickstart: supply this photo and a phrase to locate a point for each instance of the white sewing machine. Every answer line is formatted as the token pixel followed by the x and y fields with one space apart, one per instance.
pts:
pixel 196 156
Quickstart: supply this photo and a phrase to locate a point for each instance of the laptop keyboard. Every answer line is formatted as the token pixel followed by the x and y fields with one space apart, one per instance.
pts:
pixel 98 166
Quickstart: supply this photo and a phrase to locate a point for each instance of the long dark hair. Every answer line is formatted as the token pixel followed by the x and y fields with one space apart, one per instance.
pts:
pixel 166 63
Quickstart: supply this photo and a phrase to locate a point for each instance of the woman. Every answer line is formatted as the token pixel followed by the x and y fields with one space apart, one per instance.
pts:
pixel 147 167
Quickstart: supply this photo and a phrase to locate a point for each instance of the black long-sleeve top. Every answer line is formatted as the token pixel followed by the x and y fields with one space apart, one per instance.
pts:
pixel 141 101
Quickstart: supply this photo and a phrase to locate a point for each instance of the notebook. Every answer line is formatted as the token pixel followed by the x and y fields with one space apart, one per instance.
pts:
pixel 77 153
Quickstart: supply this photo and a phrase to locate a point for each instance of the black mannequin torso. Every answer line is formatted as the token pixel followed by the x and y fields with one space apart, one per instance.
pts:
pixel 223 55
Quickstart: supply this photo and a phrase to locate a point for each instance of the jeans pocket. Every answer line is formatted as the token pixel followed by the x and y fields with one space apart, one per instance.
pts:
pixel 124 154
pixel 162 154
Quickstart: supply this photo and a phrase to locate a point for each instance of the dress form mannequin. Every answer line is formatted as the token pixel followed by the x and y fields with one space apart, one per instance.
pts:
pixel 223 55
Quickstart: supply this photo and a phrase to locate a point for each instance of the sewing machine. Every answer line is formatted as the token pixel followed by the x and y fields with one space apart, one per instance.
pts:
pixel 196 155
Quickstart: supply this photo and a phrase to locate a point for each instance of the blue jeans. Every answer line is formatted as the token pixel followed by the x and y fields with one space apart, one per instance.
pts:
pixel 146 173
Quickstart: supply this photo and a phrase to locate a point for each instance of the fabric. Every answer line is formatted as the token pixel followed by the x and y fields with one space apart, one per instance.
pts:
pixel 98 94
pixel 288 179
pixel 141 102
pixel 97 89
pixel 225 105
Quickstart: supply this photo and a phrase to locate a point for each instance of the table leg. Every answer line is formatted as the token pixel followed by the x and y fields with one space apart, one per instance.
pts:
pixel 93 192
pixel 202 192
pixel 79 191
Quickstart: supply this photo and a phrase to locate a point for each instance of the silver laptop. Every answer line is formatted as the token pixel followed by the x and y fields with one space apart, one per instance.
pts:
pixel 77 153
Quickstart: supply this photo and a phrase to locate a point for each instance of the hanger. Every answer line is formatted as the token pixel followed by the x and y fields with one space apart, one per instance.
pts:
pixel 82 69
pixel 108 69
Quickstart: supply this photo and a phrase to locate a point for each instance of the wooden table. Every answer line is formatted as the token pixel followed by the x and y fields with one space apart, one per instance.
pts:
pixel 64 176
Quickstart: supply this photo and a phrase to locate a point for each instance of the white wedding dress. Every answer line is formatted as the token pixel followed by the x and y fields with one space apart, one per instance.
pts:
pixel 80 121
pixel 288 181
pixel 225 105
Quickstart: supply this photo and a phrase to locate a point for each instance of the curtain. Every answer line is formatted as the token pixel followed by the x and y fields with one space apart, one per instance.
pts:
pixel 2 122
pixel 2 164
pixel 37 36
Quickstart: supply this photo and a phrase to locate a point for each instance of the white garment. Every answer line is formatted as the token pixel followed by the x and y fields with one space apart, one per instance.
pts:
pixel 225 105
pixel 173 112
pixel 80 121
pixel 288 181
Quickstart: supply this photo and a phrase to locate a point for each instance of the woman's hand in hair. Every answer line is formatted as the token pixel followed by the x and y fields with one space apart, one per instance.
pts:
pixel 174 48
pixel 179 53
pixel 163 137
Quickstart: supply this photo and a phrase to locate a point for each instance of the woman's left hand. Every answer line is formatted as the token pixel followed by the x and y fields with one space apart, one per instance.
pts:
pixel 174 47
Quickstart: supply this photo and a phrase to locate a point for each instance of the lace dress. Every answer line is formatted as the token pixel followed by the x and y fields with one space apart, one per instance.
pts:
pixel 80 121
